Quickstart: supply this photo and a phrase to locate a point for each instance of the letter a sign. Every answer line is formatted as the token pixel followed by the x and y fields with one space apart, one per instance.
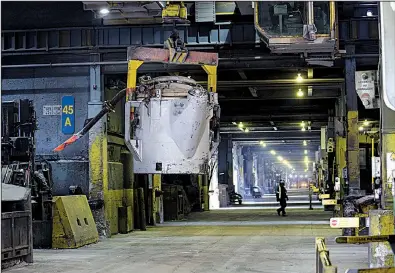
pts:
pixel 68 117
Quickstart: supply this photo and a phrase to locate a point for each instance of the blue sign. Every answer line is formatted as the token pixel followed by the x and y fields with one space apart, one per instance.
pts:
pixel 68 116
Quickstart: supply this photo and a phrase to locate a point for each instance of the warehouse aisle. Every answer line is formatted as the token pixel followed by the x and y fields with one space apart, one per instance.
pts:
pixel 243 245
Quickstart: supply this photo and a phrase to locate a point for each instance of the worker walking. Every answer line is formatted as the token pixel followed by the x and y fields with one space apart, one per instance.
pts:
pixel 282 197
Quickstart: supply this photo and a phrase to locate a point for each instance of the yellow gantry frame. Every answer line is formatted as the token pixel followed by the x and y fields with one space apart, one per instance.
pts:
pixel 211 70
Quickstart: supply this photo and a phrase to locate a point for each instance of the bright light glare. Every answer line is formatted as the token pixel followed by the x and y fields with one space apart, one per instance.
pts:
pixel 241 125
pixel 303 129
pixel 299 78
pixel 290 176
pixel 262 143
pixel 300 93
pixel 366 123
pixel 280 158
pixel 234 123
pixel 360 128
pixel 304 143
pixel 273 152
pixel 302 124
pixel 369 13
pixel 104 11
pixel 246 130
pixel 305 152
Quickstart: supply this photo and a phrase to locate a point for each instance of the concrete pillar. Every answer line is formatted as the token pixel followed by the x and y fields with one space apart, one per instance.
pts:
pixel 352 123
pixel 381 223
pixel 98 157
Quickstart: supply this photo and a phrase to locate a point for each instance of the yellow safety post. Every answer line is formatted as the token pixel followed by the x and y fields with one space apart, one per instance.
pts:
pixel 156 198
pixel 381 223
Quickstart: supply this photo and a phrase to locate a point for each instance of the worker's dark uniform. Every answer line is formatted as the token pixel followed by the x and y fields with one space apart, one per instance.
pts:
pixel 282 197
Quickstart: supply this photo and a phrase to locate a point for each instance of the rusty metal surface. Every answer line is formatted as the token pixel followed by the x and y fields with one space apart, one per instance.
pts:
pixel 353 150
pixel 162 56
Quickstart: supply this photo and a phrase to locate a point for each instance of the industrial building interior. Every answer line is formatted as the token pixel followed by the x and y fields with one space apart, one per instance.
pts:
pixel 206 136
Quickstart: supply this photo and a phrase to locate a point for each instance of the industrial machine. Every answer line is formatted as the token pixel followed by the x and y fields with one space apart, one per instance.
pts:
pixel 171 126
pixel 305 28
pixel 21 182
pixel 29 180
pixel 20 168
pixel 174 12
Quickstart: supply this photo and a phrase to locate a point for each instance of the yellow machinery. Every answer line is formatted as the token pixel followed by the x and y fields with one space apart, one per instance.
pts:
pixel 174 12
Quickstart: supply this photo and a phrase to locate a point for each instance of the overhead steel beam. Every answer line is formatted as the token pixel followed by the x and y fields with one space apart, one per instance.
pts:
pixel 125 36
pixel 278 95
pixel 251 130
pixel 277 117
pixel 292 82
pixel 244 77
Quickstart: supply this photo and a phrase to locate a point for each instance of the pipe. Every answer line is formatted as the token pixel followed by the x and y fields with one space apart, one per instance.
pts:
pixel 277 81
pixel 62 64
pixel 265 131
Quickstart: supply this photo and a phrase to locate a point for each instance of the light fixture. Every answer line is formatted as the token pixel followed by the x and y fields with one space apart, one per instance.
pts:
pixel 299 78
pixel 104 11
pixel 303 129
pixel 280 158
pixel 302 124
pixel 275 128
pixel 262 143
pixel 366 123
pixel 305 176
pixel 234 123
pixel 246 130
pixel 285 162
pixel 240 125
pixel 304 143
pixel 273 152
pixel 369 13
pixel 360 128
pixel 306 159
pixel 290 176
pixel 300 93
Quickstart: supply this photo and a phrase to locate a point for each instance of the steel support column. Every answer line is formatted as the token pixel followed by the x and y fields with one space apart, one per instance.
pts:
pixel 98 160
pixel 387 155
pixel 352 124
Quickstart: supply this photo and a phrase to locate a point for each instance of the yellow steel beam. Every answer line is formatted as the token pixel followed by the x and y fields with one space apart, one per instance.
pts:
pixel 156 188
pixel 211 71
pixel 131 83
pixel 206 198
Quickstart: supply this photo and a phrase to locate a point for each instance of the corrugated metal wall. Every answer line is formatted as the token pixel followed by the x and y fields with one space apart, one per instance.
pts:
pixel 47 86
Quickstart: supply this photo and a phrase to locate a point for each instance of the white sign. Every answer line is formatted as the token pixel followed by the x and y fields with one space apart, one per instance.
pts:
pixel 52 110
pixel 344 222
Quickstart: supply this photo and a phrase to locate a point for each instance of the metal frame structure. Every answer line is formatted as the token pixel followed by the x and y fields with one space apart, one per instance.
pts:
pixel 136 58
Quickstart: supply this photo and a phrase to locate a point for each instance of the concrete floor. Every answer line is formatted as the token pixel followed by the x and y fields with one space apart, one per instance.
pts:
pixel 204 248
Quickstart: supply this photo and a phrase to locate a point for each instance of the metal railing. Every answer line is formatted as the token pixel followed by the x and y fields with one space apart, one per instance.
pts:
pixel 323 262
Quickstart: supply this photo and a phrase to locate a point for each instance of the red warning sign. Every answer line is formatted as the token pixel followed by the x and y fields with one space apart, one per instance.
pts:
pixel 334 222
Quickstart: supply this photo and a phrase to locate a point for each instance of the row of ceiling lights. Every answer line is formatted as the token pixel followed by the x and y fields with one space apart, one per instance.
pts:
pixel 279 158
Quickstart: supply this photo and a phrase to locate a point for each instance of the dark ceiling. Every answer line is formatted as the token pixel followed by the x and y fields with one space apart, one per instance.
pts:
pixel 258 92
